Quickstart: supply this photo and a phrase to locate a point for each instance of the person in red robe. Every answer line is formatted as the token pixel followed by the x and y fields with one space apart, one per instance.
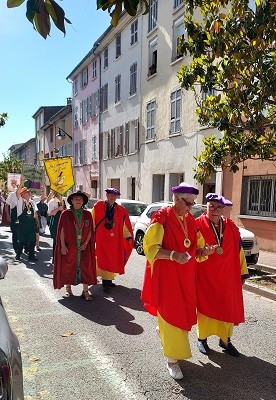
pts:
pixel 114 237
pixel 220 278
pixel 74 260
pixel 171 245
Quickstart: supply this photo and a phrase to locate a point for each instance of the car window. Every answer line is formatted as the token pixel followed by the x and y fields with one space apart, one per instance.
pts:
pixel 134 209
pixel 197 210
pixel 152 210
pixel 91 203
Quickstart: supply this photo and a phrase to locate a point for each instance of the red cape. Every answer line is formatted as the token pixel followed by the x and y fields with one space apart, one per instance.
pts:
pixel 170 287
pixel 112 249
pixel 65 267
pixel 219 283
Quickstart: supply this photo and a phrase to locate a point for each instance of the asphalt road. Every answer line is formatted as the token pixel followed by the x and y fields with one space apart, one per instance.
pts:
pixel 108 348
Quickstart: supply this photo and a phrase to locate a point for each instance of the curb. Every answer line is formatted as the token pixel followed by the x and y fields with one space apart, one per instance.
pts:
pixel 269 294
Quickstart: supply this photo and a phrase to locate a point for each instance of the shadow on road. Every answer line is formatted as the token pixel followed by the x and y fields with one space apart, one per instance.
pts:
pixel 247 378
pixel 108 309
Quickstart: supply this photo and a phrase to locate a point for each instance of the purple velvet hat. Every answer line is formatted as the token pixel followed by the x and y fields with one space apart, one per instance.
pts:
pixel 218 198
pixel 113 191
pixel 184 188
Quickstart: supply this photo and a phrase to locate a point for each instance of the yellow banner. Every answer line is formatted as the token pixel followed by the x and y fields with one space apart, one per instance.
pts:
pixel 60 174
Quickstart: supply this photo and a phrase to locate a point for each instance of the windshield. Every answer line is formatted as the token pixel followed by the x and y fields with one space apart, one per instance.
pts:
pixel 134 209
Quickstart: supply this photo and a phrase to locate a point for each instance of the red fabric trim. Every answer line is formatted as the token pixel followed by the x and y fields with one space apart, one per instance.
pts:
pixel 65 267
pixel 219 283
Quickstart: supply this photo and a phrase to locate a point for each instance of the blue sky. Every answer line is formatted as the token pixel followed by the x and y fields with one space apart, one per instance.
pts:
pixel 33 71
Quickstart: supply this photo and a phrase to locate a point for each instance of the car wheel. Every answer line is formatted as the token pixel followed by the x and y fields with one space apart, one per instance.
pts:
pixel 139 243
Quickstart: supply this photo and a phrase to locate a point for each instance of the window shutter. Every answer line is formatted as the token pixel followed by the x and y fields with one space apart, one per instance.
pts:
pixel 127 138
pixel 137 134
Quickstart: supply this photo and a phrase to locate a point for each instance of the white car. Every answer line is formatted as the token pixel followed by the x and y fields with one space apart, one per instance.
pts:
pixel 249 241
pixel 134 208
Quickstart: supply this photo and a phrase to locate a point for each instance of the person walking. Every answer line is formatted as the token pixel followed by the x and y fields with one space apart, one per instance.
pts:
pixel 74 259
pixel 114 237
pixel 55 207
pixel 171 245
pixel 220 278
pixel 27 222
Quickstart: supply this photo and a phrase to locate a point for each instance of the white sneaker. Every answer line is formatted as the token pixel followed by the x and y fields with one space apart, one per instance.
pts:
pixel 175 371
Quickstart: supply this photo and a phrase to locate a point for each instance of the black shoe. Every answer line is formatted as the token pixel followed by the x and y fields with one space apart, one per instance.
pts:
pixel 108 283
pixel 203 346
pixel 229 348
pixel 33 259
pixel 17 257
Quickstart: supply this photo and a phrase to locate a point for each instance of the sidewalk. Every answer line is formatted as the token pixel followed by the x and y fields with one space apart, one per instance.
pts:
pixel 267 258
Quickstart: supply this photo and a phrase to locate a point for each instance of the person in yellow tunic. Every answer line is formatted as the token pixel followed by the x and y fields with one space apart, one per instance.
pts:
pixel 220 278
pixel 171 245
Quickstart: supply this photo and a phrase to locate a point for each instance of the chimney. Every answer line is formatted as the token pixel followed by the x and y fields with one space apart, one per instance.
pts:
pixel 69 100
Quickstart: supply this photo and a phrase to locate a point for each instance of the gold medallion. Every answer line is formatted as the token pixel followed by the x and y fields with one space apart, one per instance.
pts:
pixel 79 237
pixel 187 243
pixel 112 234
pixel 219 250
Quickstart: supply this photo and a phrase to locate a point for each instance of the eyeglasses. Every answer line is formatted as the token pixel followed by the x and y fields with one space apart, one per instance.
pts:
pixel 188 204
pixel 213 208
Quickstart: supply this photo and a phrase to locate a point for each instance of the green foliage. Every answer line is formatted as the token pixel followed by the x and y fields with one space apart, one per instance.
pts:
pixel 9 165
pixel 3 119
pixel 233 56
pixel 41 12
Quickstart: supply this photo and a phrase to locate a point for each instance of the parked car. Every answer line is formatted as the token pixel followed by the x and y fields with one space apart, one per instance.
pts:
pixel 11 373
pixel 134 208
pixel 249 241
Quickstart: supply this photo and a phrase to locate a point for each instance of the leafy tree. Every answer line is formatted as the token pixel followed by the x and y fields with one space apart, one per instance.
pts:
pixel 41 12
pixel 9 165
pixel 232 50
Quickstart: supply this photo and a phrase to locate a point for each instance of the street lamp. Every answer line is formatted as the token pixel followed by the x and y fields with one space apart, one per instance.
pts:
pixel 61 134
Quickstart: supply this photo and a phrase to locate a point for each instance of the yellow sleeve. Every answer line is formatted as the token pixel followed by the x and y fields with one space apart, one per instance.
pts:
pixel 244 269
pixel 126 232
pixel 153 240
pixel 200 244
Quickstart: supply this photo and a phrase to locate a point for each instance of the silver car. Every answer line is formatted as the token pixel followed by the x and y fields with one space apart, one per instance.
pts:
pixel 11 373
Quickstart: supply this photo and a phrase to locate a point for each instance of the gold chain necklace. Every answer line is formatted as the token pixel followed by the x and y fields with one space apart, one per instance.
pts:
pixel 183 224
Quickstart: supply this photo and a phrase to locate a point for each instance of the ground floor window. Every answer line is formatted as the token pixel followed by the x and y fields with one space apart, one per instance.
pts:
pixel 259 195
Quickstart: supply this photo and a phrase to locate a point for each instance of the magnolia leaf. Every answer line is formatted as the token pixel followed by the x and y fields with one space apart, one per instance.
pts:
pixel 42 25
pixel 59 21
pixel 34 358
pixel 66 334
pixel 115 15
pixel 50 9
pixel 14 3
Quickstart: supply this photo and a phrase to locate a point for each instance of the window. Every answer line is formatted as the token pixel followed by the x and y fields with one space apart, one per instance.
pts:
pixel 177 3
pixel 75 86
pixel 104 98
pixel 106 145
pixel 119 131
pixel 151 120
pixel 205 94
pixel 175 111
pixel 76 155
pixel 178 37
pixel 117 88
pixel 259 195
pixel 82 152
pixel 76 117
pixel 94 148
pixel 84 78
pixel 105 58
pixel 94 69
pixel 51 134
pixel 84 106
pixel 134 32
pixel 153 6
pixel 94 104
pixel 118 45
pixel 132 137
pixel 133 79
pixel 152 57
